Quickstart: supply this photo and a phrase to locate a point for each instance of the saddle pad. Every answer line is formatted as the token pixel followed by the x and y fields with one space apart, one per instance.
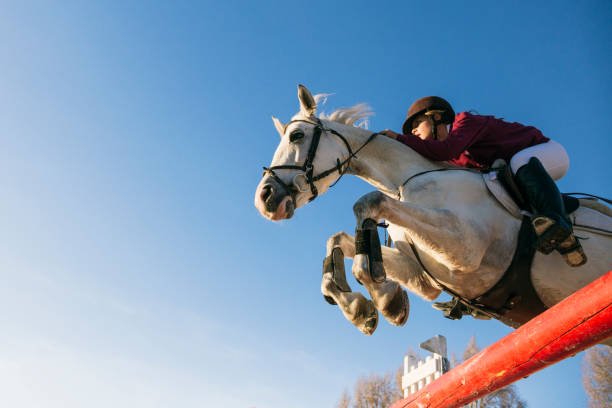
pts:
pixel 497 188
pixel 498 191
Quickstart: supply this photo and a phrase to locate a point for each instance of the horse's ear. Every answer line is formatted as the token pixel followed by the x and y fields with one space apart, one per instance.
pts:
pixel 308 106
pixel 279 126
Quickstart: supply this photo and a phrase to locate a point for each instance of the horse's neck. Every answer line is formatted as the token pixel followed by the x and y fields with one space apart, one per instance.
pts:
pixel 384 163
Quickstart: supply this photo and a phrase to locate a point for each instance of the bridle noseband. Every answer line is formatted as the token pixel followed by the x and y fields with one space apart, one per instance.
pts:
pixel 308 168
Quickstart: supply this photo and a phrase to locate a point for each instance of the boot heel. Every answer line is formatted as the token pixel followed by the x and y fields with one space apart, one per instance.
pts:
pixel 572 252
pixel 550 234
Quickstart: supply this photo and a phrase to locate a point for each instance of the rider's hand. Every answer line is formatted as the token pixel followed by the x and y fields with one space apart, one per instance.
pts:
pixel 390 133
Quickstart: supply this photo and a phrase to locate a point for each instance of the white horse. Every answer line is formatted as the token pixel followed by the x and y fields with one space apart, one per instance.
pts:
pixel 449 232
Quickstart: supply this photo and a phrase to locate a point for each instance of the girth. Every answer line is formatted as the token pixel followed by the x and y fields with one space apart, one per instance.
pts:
pixel 513 298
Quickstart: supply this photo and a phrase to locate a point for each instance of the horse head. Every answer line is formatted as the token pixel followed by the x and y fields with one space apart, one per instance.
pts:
pixel 307 161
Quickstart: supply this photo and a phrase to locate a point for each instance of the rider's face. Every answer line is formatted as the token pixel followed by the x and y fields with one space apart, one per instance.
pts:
pixel 421 127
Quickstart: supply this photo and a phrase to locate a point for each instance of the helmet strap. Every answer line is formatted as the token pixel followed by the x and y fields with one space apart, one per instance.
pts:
pixel 434 129
pixel 434 123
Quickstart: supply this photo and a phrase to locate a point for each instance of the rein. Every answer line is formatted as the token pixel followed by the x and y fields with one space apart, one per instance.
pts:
pixel 308 167
pixel 399 189
pixel 590 197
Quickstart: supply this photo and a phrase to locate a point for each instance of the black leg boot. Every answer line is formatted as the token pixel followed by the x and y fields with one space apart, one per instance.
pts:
pixel 551 224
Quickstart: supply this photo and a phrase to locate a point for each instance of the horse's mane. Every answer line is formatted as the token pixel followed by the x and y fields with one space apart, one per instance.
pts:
pixel 356 115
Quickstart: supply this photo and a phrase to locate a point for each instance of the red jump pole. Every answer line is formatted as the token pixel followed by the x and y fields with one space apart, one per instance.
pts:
pixel 574 324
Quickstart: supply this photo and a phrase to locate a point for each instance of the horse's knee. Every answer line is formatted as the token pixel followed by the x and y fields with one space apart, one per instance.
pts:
pixel 336 240
pixel 368 205
pixel 328 287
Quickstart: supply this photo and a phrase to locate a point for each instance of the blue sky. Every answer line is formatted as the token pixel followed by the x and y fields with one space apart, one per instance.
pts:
pixel 135 269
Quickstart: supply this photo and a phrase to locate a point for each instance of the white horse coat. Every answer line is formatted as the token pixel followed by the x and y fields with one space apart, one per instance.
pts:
pixel 464 237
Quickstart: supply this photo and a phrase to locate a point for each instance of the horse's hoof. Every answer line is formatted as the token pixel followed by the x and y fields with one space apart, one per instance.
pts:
pixel 369 320
pixel 398 308
pixel 370 326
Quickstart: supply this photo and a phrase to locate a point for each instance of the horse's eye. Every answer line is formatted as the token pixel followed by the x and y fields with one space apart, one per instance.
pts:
pixel 296 135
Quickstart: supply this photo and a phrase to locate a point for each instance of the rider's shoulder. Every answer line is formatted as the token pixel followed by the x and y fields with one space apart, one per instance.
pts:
pixel 469 117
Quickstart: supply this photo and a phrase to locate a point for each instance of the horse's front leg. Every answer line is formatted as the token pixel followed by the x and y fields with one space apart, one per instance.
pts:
pixel 354 306
pixel 368 267
pixel 387 295
pixel 438 229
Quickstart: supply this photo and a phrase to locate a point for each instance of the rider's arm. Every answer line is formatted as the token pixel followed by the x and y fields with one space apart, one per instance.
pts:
pixel 466 129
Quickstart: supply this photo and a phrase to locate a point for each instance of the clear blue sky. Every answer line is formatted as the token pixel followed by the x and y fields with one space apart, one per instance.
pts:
pixel 135 270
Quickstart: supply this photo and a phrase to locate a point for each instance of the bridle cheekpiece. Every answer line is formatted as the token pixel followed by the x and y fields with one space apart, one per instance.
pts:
pixel 308 168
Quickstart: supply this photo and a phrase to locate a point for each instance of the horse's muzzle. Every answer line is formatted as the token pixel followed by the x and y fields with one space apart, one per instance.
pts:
pixel 273 201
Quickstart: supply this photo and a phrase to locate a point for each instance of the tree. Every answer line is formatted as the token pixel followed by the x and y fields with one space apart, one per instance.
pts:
pixel 373 391
pixel 398 382
pixel 380 391
pixel 597 376
pixel 345 400
pixel 506 397
pixel 471 349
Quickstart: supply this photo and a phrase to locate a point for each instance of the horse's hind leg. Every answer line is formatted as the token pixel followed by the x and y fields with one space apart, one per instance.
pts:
pixel 336 290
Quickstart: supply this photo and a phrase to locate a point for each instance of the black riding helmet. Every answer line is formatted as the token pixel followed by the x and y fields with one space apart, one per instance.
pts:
pixel 426 104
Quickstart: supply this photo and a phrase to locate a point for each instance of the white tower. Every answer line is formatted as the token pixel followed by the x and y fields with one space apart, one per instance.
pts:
pixel 419 373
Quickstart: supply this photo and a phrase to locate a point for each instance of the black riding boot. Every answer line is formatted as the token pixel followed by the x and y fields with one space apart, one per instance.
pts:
pixel 550 221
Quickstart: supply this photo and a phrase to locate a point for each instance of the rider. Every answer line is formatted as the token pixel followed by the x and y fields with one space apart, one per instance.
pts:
pixel 432 129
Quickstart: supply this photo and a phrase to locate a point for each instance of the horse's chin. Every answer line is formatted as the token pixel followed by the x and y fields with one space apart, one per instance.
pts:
pixel 284 211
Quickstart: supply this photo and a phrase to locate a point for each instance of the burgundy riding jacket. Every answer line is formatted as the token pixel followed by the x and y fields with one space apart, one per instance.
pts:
pixel 477 141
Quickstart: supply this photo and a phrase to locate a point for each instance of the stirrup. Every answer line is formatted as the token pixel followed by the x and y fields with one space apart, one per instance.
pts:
pixel 550 234
pixel 572 251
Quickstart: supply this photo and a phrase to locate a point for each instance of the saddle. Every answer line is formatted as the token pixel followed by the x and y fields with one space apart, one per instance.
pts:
pixel 500 183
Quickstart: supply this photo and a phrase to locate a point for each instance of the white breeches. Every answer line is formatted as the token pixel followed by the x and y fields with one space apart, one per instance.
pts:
pixel 553 156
